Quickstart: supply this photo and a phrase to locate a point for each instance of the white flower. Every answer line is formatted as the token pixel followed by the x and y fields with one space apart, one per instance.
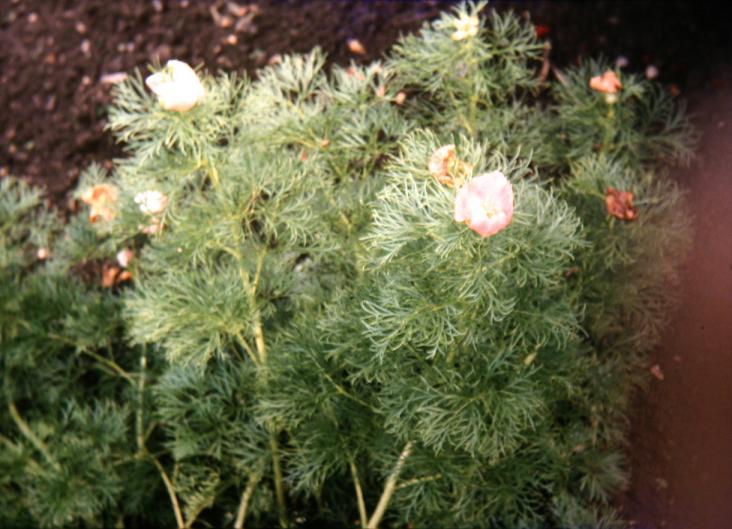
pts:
pixel 466 27
pixel 177 86
pixel 151 202
pixel 124 257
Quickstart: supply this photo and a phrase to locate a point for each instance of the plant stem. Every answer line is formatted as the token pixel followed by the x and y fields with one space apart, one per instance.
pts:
pixel 277 467
pixel 142 449
pixel 259 338
pixel 258 272
pixel 359 495
pixel 114 366
pixel 246 496
pixel 26 430
pixel 250 286
pixel 415 481
pixel 139 419
pixel 171 492
pixel 247 348
pixel 389 488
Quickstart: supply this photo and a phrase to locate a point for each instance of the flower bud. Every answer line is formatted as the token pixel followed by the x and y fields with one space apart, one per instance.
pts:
pixel 177 86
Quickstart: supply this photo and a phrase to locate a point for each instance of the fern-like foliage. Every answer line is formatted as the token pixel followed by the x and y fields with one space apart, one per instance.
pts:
pixel 303 334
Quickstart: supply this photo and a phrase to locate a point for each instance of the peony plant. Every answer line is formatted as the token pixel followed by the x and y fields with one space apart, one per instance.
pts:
pixel 416 293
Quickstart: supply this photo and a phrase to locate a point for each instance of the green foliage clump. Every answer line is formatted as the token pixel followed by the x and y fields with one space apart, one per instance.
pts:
pixel 308 336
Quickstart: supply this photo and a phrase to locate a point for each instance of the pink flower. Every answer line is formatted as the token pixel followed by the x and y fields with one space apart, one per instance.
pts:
pixel 485 203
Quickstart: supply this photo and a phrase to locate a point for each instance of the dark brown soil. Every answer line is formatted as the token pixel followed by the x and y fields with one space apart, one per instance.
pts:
pixel 53 54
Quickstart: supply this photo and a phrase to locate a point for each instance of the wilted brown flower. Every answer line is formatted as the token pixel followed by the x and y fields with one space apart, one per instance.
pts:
pixel 620 204
pixel 102 199
pixel 114 275
pixel 607 83
pixel 439 164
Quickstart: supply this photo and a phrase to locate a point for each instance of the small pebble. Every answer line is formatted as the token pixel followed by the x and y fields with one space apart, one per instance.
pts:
pixel 80 27
pixel 231 39
pixel 400 98
pixel 33 18
pixel 86 47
